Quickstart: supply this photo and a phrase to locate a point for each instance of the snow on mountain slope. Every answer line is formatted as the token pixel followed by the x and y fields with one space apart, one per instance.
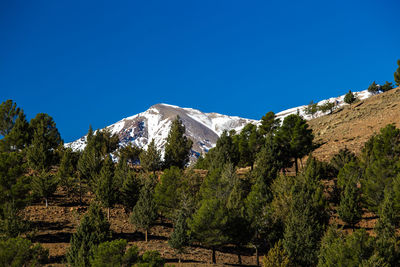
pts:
pixel 203 128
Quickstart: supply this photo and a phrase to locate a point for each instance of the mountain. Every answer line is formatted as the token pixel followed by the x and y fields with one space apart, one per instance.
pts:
pixel 203 128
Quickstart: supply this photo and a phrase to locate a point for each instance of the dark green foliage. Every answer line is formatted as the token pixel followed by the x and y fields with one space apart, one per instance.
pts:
pixel 11 223
pixel 397 74
pixel 305 223
pixel 350 209
pixel 46 139
pixel 311 109
pixel 130 153
pixel 178 146
pixel 338 249
pixel 114 253
pixel 380 161
pixel 167 191
pixel 107 188
pixel 374 88
pixel 327 106
pixel 145 211
pixel 150 159
pixel 341 158
pixel 21 252
pixel 44 185
pixel 19 137
pixel 349 98
pixel 179 237
pixel 225 151
pixel 318 170
pixel 92 230
pixel 67 172
pixel 129 192
pixel 249 143
pixel 387 87
pixel 299 138
pixel 8 115
pixel 387 242
pixel 269 123
pixel 151 258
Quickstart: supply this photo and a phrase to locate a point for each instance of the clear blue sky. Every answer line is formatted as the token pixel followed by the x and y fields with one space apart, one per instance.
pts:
pixel 95 62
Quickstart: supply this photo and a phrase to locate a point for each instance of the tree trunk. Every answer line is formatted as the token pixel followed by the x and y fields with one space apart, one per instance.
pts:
pixel 145 235
pixel 108 213
pixel 239 257
pixel 257 257
pixel 214 260
pixel 296 165
pixel 46 202
pixel 301 163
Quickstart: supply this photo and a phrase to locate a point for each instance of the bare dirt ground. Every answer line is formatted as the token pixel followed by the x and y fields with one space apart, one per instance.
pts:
pixel 351 126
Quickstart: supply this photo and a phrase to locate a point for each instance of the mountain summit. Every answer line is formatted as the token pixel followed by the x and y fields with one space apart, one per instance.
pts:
pixel 203 128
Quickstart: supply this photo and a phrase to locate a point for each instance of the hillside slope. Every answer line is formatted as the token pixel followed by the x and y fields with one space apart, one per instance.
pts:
pixel 352 126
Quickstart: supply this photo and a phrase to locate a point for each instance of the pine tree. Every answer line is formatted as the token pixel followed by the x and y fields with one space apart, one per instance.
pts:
pixel 106 190
pixel 349 98
pixel 373 88
pixel 249 145
pixel 387 87
pixel 341 158
pixel 166 193
pixel 299 138
pixel 150 159
pixel 21 252
pixel 66 172
pixel 269 123
pixel 311 109
pixel 114 253
pixel 8 115
pixel 145 211
pixel 178 146
pixel 350 209
pixel 92 230
pixel 277 256
pixel 327 106
pixel 179 238
pixel 44 185
pixel 130 152
pixel 397 74
pixel 130 190
pixel 19 137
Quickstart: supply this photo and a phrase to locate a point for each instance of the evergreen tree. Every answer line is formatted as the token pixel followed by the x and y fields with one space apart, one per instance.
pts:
pixel 341 158
pixel 299 138
pixel 44 185
pixel 19 137
pixel 92 230
pixel 374 88
pixel 397 74
pixel 45 125
pixel 277 257
pixel 249 145
pixel 178 146
pixel 21 252
pixel 130 153
pixel 114 253
pixel 179 238
pixel 350 209
pixel 8 114
pixel 67 173
pixel 349 98
pixel 166 193
pixel 130 190
pixel 145 211
pixel 327 106
pixel 269 123
pixel 311 109
pixel 387 87
pixel 381 164
pixel 107 189
pixel 150 159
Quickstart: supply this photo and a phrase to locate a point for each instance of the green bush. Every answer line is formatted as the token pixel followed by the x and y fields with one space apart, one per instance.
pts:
pixel 114 253
pixel 21 252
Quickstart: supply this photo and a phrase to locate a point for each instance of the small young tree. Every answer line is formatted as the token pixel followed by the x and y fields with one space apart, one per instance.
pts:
pixel 277 256
pixel 92 230
pixel 349 98
pixel 145 211
pixel 129 192
pixel 327 106
pixel 179 238
pixel 67 173
pixel 114 253
pixel 150 159
pixel 21 252
pixel 107 189
pixel 387 87
pixel 311 109
pixel 178 146
pixel 374 88
pixel 44 185
pixel 397 74
pixel 350 209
